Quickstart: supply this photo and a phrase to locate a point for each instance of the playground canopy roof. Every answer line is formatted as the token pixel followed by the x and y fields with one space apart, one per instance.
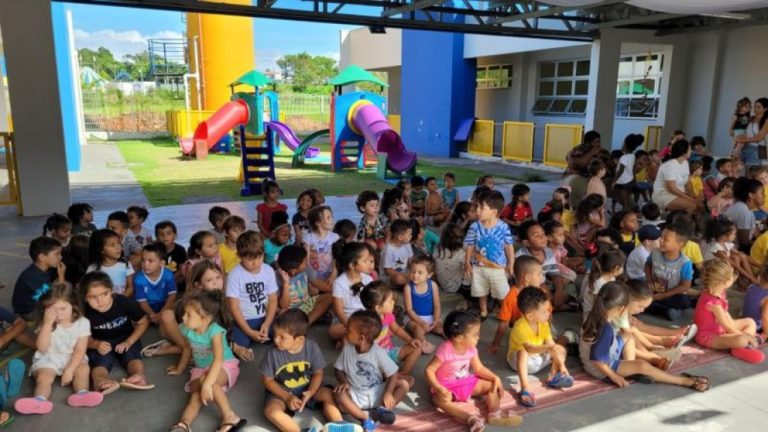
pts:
pixel 253 78
pixel 352 74
pixel 579 20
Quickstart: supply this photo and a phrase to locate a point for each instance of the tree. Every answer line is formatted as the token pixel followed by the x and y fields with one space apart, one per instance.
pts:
pixel 303 70
pixel 101 60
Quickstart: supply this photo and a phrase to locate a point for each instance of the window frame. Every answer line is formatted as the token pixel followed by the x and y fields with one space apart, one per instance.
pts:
pixel 650 101
pixel 499 82
pixel 553 108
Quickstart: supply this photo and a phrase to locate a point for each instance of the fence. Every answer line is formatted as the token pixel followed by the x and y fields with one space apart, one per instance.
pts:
pixel 517 143
pixel 481 140
pixel 108 110
pixel 559 139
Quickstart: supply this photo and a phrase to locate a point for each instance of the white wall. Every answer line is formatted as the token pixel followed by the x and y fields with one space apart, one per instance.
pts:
pixel 370 51
pixel 485 45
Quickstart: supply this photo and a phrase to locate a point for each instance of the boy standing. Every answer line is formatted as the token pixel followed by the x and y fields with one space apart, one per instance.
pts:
pixel 292 373
pixel 528 272
pixel 368 378
pixel 670 274
pixel 36 279
pixel 490 255
pixel 233 227
pixel 251 295
pixel 397 252
pixel 118 222
pixel 165 233
pixel 649 241
pixel 531 347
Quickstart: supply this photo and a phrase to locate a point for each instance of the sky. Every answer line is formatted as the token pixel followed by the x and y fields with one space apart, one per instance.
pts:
pixel 125 31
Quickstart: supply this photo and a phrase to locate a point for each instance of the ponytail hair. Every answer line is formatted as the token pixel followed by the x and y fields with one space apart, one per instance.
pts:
pixel 604 262
pixel 211 303
pixel 348 255
pixel 611 296
pixel 374 294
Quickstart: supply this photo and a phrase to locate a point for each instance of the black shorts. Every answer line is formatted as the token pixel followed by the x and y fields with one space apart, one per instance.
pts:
pixel 108 361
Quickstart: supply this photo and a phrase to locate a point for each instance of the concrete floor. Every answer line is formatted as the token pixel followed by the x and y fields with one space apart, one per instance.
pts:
pixel 738 400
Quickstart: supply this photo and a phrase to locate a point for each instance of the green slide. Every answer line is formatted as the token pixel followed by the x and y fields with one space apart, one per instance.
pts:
pixel 300 152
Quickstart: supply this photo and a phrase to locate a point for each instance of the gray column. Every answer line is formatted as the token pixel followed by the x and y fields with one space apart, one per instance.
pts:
pixel 603 73
pixel 34 95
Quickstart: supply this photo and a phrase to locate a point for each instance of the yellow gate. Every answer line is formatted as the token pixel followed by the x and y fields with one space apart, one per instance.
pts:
pixel 481 140
pixel 517 142
pixel 559 139
pixel 9 179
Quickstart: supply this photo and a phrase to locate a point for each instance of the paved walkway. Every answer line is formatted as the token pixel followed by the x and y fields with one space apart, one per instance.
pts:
pixel 737 402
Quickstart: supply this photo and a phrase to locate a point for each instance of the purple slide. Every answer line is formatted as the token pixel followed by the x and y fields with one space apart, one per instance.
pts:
pixel 371 122
pixel 289 138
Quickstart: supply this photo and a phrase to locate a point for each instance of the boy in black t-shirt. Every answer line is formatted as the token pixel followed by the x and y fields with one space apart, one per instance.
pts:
pixel 36 279
pixel 165 233
pixel 292 373
pixel 117 324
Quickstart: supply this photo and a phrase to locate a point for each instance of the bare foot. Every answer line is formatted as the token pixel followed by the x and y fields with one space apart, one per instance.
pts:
pixel 243 353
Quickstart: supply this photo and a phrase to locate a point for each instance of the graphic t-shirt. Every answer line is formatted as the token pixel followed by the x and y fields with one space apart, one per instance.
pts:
pixel 116 324
pixel 489 243
pixel 375 232
pixel 154 292
pixel 454 366
pixel 320 254
pixel 365 371
pixel 119 272
pixel 302 222
pixel 396 257
pixel 293 371
pixel 298 289
pixel 143 237
pixel 202 344
pixel 668 274
pixel 176 258
pixel 252 290
pixel 31 284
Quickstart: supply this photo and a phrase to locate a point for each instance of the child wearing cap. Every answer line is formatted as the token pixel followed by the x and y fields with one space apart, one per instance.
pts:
pixel 649 241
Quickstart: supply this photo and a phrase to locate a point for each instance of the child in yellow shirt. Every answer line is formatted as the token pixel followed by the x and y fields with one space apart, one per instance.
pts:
pixel 695 186
pixel 233 227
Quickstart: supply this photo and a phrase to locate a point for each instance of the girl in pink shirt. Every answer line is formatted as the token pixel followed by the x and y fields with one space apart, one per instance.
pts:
pixel 717 329
pixel 456 374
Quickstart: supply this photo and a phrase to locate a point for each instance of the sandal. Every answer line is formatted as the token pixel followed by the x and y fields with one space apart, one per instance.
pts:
pixel 180 426
pixel 139 384
pixel 8 419
pixel 150 350
pixel 689 334
pixel 476 424
pixel 108 387
pixel 700 383
pixel 233 427
pixel 527 399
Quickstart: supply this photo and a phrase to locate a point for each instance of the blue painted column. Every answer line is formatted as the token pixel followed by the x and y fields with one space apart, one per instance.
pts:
pixel 67 83
pixel 438 91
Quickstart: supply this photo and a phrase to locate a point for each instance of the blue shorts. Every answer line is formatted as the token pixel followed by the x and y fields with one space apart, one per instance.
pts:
pixel 108 361
pixel 241 338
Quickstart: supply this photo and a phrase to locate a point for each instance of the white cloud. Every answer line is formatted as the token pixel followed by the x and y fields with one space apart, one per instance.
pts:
pixel 120 43
pixel 267 58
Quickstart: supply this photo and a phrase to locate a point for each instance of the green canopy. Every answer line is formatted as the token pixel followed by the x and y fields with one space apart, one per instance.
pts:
pixel 253 78
pixel 352 74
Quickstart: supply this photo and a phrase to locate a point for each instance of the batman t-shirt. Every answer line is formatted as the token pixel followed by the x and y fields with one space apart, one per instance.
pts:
pixel 293 371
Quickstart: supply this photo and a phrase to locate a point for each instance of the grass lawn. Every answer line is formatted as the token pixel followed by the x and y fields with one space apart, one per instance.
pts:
pixel 168 178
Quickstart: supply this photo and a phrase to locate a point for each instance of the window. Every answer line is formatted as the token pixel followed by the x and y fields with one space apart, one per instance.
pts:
pixel 562 88
pixel 639 84
pixel 494 76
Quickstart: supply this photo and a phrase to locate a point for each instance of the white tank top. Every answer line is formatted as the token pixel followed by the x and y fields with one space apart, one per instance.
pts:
pixel 753 129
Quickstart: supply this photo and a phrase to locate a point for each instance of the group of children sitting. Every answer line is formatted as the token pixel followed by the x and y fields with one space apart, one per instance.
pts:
pixel 91 294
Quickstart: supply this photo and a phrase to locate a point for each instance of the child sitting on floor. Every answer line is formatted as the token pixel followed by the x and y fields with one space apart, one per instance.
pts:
pixel 597 171
pixel 216 216
pixel 292 374
pixel 606 354
pixel 117 325
pixel 58 227
pixel 271 193
pixel 154 286
pixel 756 301
pixel 721 235
pixel 104 255
pixel 422 301
pixel 670 274
pixel 566 266
pixel 519 209
pixel 251 295
pixel 535 244
pixel 319 245
pixel 372 226
pixel 304 202
pixel 297 290
pixel 649 241
pixel 137 215
pixel 418 197
pixel 176 256
pixel 456 374
pixel 202 246
pixel 590 218
pixel 450 194
pixel 130 247
pixel 215 369
pixel 531 347
pixel 81 216
pixel 369 383
pixel 37 278
pixel 717 329
pixel 355 264
pixel 436 210
pixel 396 253
pixel 625 222
pixel 61 343
pixel 378 297
pixel 281 236
pixel 233 227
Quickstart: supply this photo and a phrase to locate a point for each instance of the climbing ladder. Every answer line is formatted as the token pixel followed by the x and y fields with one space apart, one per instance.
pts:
pixel 258 160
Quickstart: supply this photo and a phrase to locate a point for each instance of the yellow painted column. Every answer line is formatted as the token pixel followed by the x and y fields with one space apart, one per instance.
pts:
pixel 226 50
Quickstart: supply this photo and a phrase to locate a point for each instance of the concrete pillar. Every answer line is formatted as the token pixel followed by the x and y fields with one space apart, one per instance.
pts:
pixel 34 94
pixel 603 75
pixel 438 91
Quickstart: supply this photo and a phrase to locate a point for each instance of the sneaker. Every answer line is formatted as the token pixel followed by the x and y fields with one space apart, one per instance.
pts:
pixel 33 405
pixel 674 314
pixel 382 415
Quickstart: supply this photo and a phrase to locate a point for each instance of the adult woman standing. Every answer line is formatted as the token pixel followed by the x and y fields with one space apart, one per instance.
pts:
pixel 669 188
pixel 757 134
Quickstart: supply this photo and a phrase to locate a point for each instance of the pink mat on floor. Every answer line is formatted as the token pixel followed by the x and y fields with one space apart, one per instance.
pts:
pixel 433 420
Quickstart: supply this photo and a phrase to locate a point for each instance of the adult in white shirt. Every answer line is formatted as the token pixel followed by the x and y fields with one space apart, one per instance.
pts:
pixel 669 188
pixel 757 133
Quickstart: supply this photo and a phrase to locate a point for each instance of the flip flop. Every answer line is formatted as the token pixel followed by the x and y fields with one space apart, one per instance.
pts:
pixel 687 336
pixel 111 388
pixel 8 420
pixel 528 403
pixel 142 385
pixel 180 426
pixel 699 381
pixel 150 350
pixel 233 427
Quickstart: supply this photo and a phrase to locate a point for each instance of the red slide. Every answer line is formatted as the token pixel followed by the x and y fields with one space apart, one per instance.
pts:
pixel 209 132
